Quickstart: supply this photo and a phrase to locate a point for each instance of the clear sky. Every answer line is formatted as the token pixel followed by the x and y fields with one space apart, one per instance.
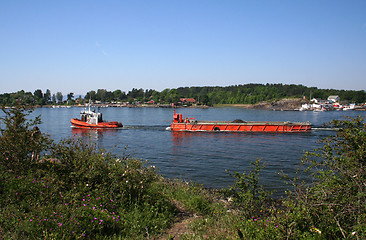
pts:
pixel 78 46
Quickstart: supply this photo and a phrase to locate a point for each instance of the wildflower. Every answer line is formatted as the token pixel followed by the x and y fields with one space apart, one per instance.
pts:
pixel 60 224
pixel 314 229
pixel 30 220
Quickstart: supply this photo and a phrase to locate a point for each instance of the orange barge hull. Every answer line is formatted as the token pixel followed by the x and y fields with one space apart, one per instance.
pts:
pixel 192 125
pixel 81 124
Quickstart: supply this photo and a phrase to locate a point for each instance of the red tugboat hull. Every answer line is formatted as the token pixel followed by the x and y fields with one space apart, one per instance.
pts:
pixel 81 124
pixel 192 125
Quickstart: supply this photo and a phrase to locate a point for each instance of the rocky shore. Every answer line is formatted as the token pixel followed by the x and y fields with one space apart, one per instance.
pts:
pixel 286 104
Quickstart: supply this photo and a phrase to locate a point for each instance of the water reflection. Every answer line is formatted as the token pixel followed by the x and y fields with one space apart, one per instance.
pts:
pixel 85 132
pixel 93 136
pixel 178 137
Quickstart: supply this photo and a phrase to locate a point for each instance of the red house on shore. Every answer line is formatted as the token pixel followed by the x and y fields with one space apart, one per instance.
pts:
pixel 187 100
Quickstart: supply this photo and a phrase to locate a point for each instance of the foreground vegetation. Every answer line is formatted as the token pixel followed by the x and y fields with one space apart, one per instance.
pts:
pixel 238 94
pixel 69 190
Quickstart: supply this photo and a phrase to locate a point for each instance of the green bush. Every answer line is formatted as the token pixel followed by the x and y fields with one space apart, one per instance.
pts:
pixel 74 191
pixel 333 205
pixel 246 192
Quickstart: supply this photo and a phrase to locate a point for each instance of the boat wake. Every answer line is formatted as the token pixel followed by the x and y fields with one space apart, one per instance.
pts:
pixel 324 129
pixel 145 127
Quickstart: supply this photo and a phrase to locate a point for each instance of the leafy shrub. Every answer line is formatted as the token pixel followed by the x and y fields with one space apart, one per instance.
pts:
pixel 246 191
pixel 74 191
pixel 333 205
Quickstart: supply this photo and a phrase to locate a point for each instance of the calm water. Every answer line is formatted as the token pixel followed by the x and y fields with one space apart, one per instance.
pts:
pixel 200 157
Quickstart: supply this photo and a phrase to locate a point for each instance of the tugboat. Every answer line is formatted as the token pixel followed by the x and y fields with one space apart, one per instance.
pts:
pixel 92 119
pixel 191 125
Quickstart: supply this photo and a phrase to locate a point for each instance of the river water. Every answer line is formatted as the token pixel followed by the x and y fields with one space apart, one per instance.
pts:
pixel 199 157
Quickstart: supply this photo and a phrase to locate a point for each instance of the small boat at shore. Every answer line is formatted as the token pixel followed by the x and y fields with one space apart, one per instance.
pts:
pixel 92 119
pixel 190 124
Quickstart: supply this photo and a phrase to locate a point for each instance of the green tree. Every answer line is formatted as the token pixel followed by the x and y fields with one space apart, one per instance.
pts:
pixel 21 141
pixel 70 96
pixel 91 95
pixel 119 95
pixel 59 97
pixel 38 95
pixel 47 96
pixel 172 96
pixel 102 95
pixel 54 99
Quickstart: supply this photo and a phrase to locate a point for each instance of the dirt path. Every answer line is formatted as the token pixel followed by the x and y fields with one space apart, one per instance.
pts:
pixel 181 225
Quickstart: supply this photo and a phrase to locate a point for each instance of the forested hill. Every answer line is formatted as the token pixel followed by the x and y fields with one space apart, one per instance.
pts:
pixel 237 94
pixel 254 93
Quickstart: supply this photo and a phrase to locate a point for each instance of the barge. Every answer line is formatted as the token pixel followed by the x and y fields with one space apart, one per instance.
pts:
pixel 192 125
pixel 93 120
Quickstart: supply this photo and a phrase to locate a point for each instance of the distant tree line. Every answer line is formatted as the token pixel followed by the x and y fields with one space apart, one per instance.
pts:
pixel 254 93
pixel 36 98
pixel 236 94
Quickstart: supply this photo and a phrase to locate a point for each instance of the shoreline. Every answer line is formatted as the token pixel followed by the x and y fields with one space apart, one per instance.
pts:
pixel 286 104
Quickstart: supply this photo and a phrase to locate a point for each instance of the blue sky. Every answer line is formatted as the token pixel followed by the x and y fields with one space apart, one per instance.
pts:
pixel 78 46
